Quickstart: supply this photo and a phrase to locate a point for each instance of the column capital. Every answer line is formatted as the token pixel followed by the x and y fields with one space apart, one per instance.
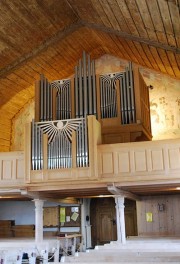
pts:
pixel 38 202
pixel 119 200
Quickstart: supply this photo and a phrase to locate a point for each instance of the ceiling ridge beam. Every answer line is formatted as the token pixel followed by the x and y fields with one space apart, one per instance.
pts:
pixel 131 37
pixel 36 51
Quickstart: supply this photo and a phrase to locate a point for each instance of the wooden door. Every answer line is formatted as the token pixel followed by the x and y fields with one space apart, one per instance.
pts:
pixel 130 218
pixel 103 221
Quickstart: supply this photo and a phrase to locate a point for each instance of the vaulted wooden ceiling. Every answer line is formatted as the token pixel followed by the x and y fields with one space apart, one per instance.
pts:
pixel 48 36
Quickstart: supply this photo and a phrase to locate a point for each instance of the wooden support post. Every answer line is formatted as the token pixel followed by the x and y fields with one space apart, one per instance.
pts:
pixel 94 138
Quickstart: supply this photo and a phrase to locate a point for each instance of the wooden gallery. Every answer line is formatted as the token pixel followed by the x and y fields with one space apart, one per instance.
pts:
pixel 90 131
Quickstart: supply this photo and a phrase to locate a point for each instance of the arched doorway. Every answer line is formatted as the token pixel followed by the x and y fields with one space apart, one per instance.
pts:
pixel 103 220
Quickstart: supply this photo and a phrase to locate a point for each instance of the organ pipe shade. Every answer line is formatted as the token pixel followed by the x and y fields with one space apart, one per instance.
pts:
pixel 60 143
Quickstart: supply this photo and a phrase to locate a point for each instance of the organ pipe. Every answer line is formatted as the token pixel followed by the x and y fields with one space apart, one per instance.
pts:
pixel 57 95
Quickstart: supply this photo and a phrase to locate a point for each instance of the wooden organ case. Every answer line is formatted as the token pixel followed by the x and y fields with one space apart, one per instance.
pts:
pixel 119 101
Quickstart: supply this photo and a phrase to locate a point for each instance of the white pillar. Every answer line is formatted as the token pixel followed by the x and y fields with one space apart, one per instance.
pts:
pixel 83 229
pixel 121 232
pixel 38 220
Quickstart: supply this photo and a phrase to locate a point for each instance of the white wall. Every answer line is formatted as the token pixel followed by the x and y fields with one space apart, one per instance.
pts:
pixel 22 212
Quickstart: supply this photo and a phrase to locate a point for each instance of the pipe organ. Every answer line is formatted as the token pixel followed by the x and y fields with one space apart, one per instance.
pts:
pixel 85 87
pixel 108 86
pixel 62 107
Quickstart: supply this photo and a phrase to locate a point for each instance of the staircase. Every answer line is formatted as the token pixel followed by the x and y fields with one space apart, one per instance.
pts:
pixel 136 250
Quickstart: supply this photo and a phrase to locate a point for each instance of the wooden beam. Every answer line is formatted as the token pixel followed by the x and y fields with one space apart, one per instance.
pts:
pixel 49 42
pixel 117 191
pixel 132 37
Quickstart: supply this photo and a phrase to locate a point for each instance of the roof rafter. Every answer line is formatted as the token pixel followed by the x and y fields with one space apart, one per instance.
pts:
pixel 131 37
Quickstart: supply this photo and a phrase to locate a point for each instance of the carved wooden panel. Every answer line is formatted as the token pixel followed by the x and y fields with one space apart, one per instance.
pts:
pixel 124 162
pixel 140 160
pixel 7 169
pixel 174 158
pixel 157 160
pixel 11 167
pixel 107 162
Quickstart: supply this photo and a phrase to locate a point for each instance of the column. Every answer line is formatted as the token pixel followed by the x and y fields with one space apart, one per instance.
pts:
pixel 83 229
pixel 38 220
pixel 121 233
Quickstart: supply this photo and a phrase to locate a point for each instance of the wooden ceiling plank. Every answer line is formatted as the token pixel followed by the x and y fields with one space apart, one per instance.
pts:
pixel 12 107
pixel 136 17
pixel 110 15
pixel 18 28
pixel 7 113
pixel 121 50
pixel 16 101
pixel 164 58
pixel 103 39
pixel 165 16
pixel 38 65
pixel 24 76
pixel 40 19
pixel 53 58
pixel 45 58
pixel 59 36
pixel 85 11
pixel 177 56
pixel 157 59
pixel 19 16
pixel 150 57
pixel 4 145
pixel 97 6
pixel 11 84
pixel 8 93
pixel 173 62
pixel 109 42
pixel 127 17
pixel 63 61
pixel 5 122
pixel 18 80
pixel 157 21
pixel 175 18
pixel 128 50
pixel 58 13
pixel 119 16
pixel 142 54
pixel 146 18
pixel 31 72
pixel 135 52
